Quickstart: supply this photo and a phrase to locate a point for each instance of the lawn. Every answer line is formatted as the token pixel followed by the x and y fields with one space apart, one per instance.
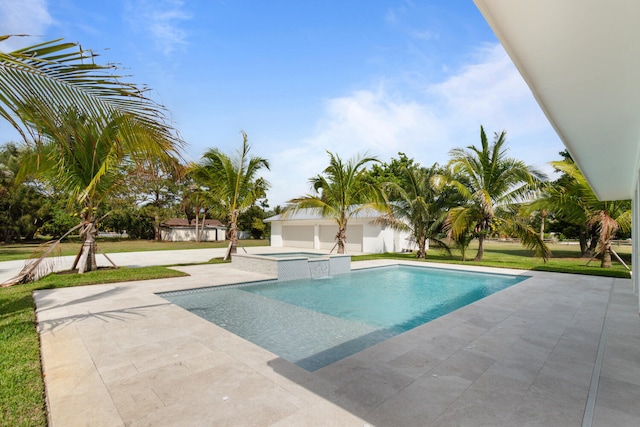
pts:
pixel 566 258
pixel 10 252
pixel 21 385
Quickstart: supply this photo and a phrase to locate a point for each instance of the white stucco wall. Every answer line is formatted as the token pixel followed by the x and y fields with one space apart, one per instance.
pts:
pixel 276 234
pixel 362 236
pixel 186 234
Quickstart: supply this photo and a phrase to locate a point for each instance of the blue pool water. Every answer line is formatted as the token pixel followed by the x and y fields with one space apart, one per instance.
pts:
pixel 316 322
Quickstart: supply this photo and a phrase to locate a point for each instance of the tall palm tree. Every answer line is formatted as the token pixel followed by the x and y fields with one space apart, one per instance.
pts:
pixel 573 200
pixel 232 183
pixel 82 122
pixel 488 179
pixel 418 206
pixel 341 193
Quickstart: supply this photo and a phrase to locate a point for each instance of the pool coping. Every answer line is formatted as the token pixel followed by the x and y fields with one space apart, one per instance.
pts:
pixel 120 355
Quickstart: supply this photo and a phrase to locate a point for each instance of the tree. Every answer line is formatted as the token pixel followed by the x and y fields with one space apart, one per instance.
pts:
pixel 83 123
pixel 154 192
pixel 87 164
pixel 24 207
pixel 341 192
pixel 417 204
pixel 572 199
pixel 232 184
pixel 488 179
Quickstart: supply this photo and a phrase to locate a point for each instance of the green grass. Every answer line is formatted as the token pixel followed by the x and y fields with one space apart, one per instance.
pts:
pixel 565 259
pixel 17 251
pixel 21 385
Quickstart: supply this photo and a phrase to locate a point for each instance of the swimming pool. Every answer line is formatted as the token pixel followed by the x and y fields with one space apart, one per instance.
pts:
pixel 313 323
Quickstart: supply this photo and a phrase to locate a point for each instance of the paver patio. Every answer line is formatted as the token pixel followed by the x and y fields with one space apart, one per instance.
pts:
pixel 120 355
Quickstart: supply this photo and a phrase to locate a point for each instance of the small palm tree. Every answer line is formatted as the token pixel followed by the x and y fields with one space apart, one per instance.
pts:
pixel 87 164
pixel 488 179
pixel 341 193
pixel 232 184
pixel 573 200
pixel 418 206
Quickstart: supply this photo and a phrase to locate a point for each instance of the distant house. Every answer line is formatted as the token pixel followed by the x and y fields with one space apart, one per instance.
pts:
pixel 181 230
pixel 307 229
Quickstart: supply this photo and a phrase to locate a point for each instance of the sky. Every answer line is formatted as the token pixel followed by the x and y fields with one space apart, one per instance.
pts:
pixel 301 78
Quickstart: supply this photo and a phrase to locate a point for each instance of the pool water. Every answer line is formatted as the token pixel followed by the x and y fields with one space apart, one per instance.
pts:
pixel 315 322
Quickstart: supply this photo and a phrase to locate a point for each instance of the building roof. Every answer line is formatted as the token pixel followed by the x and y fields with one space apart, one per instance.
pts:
pixel 314 214
pixel 581 60
pixel 183 222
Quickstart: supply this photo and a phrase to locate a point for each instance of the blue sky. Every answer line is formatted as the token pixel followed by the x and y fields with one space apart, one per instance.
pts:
pixel 303 77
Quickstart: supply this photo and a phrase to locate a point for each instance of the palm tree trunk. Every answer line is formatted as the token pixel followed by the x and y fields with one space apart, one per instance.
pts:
pixel 87 260
pixel 341 237
pixel 593 244
pixel 606 255
pixel 197 221
pixel 233 236
pixel 422 245
pixel 582 236
pixel 480 247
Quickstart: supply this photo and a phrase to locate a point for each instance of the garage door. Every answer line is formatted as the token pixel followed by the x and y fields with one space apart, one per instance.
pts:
pixel 297 236
pixel 354 237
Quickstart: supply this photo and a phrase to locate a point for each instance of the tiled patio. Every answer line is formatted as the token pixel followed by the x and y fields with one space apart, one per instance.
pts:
pixel 121 355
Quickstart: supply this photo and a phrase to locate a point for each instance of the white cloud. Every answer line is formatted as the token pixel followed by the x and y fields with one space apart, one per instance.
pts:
pixel 371 122
pixel 425 126
pixel 29 17
pixel 491 92
pixel 162 19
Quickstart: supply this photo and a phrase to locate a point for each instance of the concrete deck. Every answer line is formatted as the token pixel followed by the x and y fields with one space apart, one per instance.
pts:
pixel 529 355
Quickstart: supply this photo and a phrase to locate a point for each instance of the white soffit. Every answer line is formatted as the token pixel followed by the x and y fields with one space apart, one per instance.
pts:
pixel 581 60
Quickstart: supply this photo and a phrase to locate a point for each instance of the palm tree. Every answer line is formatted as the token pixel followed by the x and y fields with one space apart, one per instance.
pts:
pixel 88 164
pixel 46 79
pixel 417 205
pixel 341 193
pixel 232 184
pixel 573 200
pixel 82 122
pixel 488 179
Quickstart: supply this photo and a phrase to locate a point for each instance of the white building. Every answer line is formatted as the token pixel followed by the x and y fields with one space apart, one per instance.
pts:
pixel 307 229
pixel 181 230
pixel 581 60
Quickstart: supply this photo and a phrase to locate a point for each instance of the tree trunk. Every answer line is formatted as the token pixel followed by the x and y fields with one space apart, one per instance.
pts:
pixel 543 215
pixel 591 250
pixel 480 253
pixel 606 255
pixel 582 235
pixel 197 221
pixel 341 237
pixel 156 228
pixel 422 248
pixel 233 236
pixel 87 260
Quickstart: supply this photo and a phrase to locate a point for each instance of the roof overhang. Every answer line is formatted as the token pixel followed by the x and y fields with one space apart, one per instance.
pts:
pixel 581 60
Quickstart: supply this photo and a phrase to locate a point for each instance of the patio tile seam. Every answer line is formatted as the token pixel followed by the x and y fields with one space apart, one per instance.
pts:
pixel 590 406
